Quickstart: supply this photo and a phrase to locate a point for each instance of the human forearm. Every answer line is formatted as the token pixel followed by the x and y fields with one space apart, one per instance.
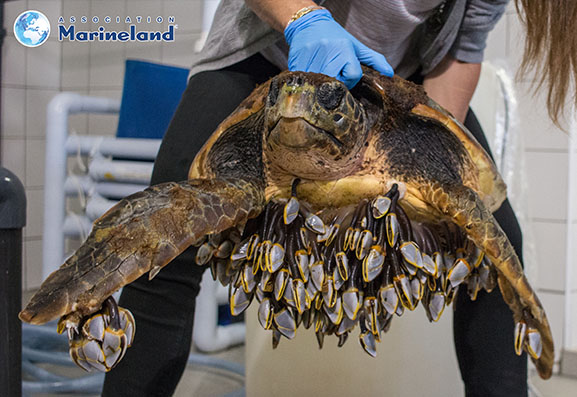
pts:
pixel 277 13
pixel 452 84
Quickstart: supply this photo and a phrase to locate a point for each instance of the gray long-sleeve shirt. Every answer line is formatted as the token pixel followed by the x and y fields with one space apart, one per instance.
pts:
pixel 411 34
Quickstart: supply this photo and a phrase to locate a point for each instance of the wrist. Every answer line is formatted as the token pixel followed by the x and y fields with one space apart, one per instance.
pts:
pixel 303 21
pixel 277 13
pixel 302 12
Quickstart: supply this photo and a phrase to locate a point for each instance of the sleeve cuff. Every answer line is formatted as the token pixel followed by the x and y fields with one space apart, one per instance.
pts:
pixel 469 46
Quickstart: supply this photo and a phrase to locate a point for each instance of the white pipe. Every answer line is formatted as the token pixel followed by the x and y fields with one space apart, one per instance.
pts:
pixel 127 148
pixel 82 183
pixel 59 108
pixel 138 172
pixel 221 294
pixel 208 336
pixel 76 225
pixel 570 326
pixel 97 205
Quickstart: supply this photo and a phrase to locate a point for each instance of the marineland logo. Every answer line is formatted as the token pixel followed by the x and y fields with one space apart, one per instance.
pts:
pixel 76 32
pixel 31 28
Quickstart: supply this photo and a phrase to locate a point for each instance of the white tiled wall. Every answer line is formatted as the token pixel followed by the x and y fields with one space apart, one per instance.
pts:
pixel 31 77
pixel 571 310
pixel 546 162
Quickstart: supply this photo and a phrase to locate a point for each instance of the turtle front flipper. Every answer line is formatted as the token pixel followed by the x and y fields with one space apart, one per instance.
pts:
pixel 142 233
pixel 532 331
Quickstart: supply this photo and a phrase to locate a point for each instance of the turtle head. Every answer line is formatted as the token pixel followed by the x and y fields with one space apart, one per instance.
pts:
pixel 313 125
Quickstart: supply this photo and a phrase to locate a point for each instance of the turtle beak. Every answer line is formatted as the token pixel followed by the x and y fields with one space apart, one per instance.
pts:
pixel 293 132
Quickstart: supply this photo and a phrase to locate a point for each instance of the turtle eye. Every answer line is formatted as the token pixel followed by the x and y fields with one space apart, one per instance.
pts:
pixel 330 95
pixel 273 92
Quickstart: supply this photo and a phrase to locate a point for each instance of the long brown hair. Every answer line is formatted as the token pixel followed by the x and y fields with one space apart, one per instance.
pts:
pixel 551 49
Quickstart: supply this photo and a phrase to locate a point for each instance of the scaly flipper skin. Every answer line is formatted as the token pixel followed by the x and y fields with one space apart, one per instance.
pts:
pixel 467 210
pixel 142 233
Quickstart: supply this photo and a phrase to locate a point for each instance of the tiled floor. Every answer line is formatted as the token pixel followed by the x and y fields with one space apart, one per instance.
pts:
pixel 197 381
pixel 201 382
pixel 557 386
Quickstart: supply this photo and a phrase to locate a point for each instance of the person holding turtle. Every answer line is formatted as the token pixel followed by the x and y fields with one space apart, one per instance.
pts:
pixel 438 43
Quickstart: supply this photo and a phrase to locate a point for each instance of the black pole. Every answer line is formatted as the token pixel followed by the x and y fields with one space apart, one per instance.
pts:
pixel 12 220
pixel 2 35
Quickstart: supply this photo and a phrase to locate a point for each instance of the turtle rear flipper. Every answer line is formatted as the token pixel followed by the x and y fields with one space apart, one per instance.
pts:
pixel 142 233
pixel 467 210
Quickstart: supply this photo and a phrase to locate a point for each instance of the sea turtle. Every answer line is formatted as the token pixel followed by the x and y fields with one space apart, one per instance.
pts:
pixel 334 208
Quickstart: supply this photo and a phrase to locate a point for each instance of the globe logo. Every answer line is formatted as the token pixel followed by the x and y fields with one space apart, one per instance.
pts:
pixel 31 28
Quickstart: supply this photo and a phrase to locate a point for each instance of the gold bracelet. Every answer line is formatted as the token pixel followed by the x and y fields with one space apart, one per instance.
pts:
pixel 302 12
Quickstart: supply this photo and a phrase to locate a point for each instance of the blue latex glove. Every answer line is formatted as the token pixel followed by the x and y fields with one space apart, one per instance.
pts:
pixel 319 44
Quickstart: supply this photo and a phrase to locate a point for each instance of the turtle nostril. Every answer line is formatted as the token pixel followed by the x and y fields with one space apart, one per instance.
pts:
pixel 273 92
pixel 294 81
pixel 330 95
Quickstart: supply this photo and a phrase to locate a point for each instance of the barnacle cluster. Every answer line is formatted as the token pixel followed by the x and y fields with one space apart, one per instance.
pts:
pixel 343 267
pixel 98 342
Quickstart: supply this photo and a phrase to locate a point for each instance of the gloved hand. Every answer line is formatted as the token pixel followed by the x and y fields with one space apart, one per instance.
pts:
pixel 319 44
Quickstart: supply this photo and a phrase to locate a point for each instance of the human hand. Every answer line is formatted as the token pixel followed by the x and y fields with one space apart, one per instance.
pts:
pixel 319 44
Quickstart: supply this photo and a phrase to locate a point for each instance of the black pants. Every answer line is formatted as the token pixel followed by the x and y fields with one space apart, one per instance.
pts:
pixel 164 307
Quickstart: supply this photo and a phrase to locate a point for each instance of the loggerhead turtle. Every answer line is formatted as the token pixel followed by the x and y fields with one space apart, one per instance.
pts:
pixel 334 208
